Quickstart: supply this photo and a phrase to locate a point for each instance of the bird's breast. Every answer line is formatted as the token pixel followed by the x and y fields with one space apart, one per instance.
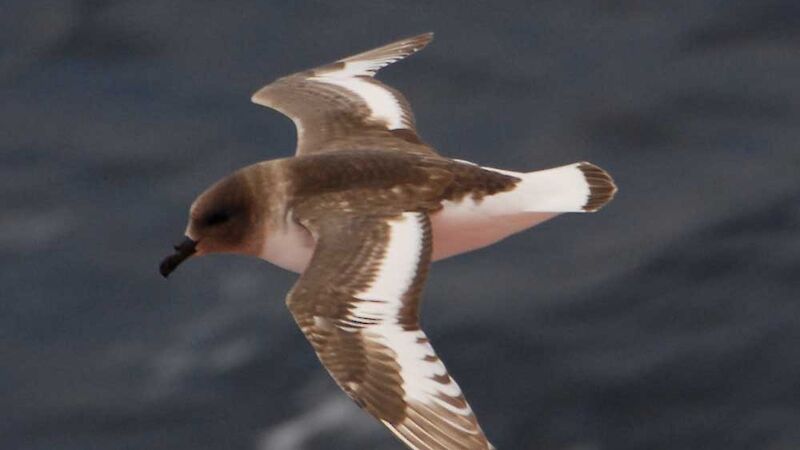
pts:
pixel 289 247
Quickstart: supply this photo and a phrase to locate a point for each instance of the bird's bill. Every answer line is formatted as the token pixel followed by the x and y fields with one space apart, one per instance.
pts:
pixel 183 251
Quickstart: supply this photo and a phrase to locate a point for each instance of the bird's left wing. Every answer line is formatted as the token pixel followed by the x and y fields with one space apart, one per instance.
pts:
pixel 341 106
pixel 357 303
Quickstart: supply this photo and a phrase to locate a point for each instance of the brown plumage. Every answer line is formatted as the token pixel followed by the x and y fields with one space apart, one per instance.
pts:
pixel 329 117
pixel 352 345
pixel 361 211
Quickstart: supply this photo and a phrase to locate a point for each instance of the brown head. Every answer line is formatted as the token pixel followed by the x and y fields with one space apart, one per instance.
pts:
pixel 227 218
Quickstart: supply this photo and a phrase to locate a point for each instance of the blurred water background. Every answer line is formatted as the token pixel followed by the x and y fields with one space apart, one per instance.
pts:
pixel 669 321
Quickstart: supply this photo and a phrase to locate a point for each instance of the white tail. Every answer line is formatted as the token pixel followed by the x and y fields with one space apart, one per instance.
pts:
pixel 468 224
pixel 579 187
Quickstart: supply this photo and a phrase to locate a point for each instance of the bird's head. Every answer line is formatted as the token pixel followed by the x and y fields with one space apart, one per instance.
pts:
pixel 223 219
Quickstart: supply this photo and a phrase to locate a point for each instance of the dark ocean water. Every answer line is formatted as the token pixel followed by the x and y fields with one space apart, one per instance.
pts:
pixel 669 321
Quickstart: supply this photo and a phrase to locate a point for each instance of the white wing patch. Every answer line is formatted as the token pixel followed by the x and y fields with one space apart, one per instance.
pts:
pixel 341 103
pixel 425 378
pixel 355 74
pixel 400 263
pixel 383 105
pixel 368 68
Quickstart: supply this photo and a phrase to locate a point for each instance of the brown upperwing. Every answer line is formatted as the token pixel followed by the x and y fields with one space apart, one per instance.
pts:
pixel 356 348
pixel 397 180
pixel 330 117
pixel 350 202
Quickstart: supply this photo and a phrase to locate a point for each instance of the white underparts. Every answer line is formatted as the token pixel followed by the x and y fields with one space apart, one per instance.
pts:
pixel 288 245
pixel 469 224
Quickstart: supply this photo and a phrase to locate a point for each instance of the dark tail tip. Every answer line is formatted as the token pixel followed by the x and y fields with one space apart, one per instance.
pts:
pixel 601 186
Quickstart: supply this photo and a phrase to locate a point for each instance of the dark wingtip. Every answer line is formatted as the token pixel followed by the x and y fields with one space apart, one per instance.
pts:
pixel 426 37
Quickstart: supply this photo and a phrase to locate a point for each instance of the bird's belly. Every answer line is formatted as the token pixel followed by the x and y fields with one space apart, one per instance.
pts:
pixel 457 228
pixel 466 226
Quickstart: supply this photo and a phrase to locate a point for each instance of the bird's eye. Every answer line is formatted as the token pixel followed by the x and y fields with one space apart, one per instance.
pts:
pixel 217 218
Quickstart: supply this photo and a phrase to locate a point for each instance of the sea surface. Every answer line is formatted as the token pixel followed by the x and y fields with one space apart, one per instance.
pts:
pixel 668 321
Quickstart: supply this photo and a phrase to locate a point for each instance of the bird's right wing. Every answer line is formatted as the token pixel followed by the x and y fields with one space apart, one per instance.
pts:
pixel 340 106
pixel 357 303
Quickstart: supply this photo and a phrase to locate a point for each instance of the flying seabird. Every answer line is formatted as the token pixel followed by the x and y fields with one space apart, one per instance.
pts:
pixel 361 210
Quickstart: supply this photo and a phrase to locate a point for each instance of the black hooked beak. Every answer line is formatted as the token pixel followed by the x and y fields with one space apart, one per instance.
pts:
pixel 182 251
